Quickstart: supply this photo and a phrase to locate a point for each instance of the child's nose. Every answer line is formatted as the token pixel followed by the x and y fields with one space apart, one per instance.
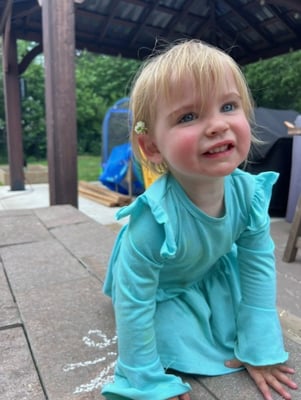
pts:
pixel 216 126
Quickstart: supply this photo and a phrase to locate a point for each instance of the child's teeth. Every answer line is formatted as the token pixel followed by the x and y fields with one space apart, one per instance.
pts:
pixel 218 149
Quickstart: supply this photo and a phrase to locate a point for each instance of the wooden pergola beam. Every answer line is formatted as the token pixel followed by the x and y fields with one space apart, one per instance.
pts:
pixel 58 19
pixel 12 103
pixel 6 15
pixel 294 4
pixel 27 59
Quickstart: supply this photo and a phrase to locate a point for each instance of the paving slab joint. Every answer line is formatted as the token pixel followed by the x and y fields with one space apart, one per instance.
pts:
pixel 11 326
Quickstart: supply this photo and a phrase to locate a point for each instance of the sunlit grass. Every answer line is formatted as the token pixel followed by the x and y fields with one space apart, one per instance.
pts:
pixel 88 167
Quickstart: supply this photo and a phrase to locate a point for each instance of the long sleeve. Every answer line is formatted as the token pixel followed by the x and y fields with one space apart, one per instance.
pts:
pixel 139 373
pixel 259 333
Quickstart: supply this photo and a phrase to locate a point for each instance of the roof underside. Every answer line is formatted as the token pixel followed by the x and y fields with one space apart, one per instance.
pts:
pixel 248 29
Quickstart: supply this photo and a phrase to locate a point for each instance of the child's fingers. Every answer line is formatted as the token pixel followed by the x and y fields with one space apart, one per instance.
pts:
pixel 184 396
pixel 272 377
pixel 260 382
pixel 281 375
pixel 287 370
pixel 277 386
pixel 269 377
pixel 234 363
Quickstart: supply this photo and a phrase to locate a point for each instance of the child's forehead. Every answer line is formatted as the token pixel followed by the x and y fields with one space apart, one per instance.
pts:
pixel 196 88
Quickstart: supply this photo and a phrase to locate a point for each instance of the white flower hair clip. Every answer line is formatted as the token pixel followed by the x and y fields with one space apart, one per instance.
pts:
pixel 140 128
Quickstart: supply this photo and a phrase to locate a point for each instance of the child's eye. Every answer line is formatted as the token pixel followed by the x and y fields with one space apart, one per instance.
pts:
pixel 229 107
pixel 187 118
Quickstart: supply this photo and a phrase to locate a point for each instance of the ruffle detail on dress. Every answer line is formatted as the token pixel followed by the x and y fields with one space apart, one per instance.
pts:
pixel 146 383
pixel 261 199
pixel 261 343
pixel 169 246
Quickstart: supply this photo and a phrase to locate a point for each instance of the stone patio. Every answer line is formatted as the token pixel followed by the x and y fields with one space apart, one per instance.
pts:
pixel 57 334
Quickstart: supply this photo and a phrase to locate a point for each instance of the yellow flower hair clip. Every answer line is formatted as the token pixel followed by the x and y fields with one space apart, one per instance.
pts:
pixel 140 128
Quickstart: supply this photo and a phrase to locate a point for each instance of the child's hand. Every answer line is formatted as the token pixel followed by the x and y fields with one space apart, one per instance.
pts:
pixel 268 376
pixel 184 396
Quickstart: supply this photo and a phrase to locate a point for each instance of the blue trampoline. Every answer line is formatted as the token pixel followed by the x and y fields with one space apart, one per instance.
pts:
pixel 115 128
pixel 116 151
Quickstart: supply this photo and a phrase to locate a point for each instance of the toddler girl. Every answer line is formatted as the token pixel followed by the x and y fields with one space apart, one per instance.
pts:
pixel 192 275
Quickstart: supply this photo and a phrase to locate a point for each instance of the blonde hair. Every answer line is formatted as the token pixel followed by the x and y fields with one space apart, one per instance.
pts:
pixel 162 72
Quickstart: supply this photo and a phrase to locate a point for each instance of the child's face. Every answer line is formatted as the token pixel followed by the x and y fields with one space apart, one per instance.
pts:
pixel 197 139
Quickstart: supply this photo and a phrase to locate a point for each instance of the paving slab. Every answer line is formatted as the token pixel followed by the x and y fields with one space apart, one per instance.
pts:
pixel 18 377
pixel 40 264
pixel 198 390
pixel 21 229
pixel 32 196
pixel 60 215
pixel 51 289
pixel 72 334
pixel 14 213
pixel 9 313
pixel 71 330
pixel 90 242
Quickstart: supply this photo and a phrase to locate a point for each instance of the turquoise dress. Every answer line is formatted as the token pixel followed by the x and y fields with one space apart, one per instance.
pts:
pixel 191 291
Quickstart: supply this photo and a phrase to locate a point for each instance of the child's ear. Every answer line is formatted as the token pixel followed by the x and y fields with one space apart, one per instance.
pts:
pixel 150 149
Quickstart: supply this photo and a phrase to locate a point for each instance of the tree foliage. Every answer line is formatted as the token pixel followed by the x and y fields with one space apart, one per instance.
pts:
pixel 100 81
pixel 276 83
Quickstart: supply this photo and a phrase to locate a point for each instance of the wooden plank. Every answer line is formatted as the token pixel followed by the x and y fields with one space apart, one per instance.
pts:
pixel 98 198
pixel 294 238
pixel 102 195
pixel 104 191
pixel 292 129
pixel 105 202
pixel 102 199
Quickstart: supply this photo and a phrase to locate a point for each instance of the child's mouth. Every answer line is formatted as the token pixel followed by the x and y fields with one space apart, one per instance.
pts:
pixel 219 149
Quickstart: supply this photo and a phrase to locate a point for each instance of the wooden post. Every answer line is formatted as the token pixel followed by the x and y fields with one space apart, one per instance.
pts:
pixel 59 50
pixel 294 238
pixel 12 108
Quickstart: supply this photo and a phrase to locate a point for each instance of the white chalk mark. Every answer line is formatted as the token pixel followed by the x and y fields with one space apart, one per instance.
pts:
pixel 99 381
pixel 99 340
pixel 103 344
pixel 70 367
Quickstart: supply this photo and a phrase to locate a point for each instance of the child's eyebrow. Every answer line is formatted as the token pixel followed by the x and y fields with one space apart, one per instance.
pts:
pixel 231 94
pixel 181 109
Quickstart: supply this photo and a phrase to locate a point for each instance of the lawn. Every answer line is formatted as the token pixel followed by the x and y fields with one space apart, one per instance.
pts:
pixel 88 167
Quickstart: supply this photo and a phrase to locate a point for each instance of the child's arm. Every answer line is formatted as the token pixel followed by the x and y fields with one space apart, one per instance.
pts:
pixel 259 344
pixel 259 336
pixel 139 373
pixel 271 376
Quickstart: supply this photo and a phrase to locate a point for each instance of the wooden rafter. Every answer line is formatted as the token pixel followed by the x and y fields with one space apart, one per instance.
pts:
pixel 6 15
pixel 6 37
pixel 27 59
pixel 294 4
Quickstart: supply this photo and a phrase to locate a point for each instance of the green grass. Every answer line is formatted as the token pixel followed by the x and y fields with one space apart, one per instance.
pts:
pixel 88 167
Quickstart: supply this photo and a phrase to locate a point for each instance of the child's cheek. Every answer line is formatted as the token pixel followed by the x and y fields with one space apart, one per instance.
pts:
pixel 188 145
